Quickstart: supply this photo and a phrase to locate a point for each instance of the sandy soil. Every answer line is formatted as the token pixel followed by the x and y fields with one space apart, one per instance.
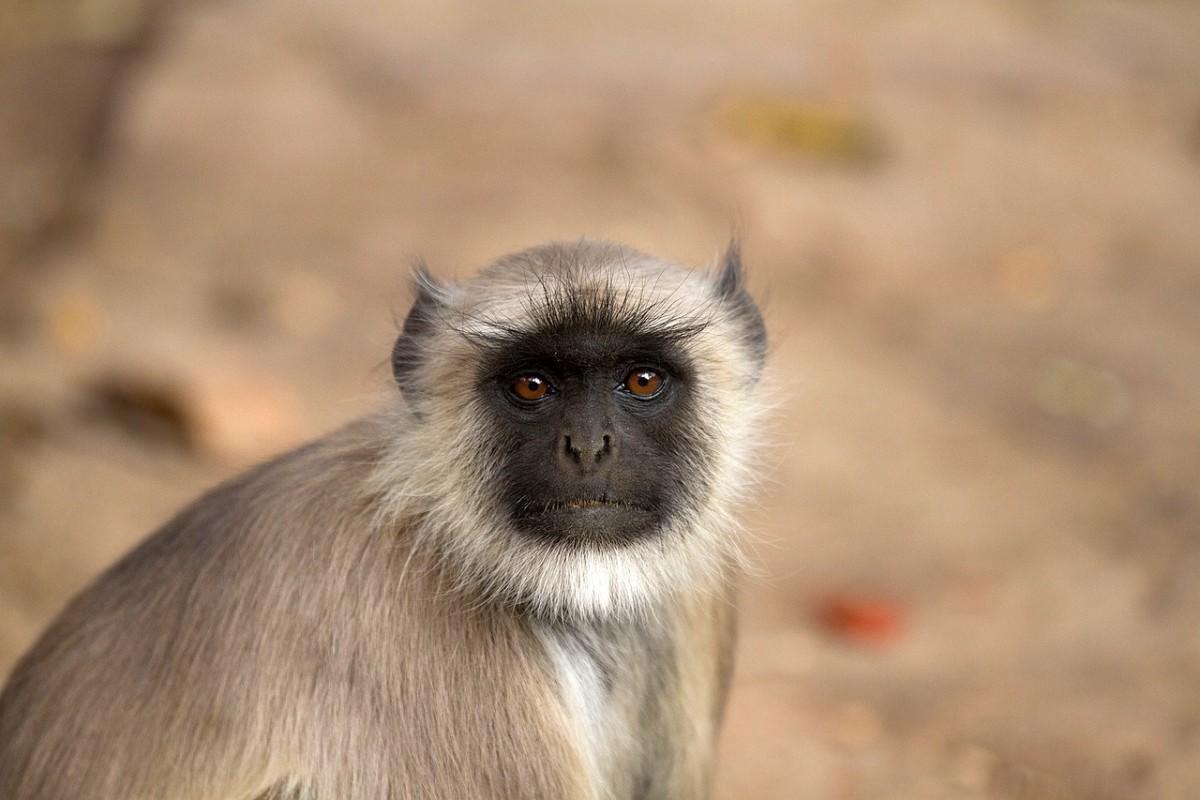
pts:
pixel 976 228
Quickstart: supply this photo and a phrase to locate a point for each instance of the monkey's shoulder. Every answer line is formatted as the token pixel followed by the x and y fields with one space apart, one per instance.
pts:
pixel 231 543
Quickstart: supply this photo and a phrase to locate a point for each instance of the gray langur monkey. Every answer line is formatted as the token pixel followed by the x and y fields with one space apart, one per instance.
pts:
pixel 516 582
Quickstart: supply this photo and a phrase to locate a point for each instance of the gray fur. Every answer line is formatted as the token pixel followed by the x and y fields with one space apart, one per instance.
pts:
pixel 353 620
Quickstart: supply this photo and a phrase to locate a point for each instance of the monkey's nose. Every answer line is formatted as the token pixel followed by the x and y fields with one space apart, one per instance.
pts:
pixel 587 453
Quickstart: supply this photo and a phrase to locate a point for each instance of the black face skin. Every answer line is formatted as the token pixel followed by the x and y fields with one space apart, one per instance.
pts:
pixel 589 463
pixel 590 460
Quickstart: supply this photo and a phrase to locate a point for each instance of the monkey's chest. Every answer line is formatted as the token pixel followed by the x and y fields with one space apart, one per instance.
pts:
pixel 621 707
pixel 585 690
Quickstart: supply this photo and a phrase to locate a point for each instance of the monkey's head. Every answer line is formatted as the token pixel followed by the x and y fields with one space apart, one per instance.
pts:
pixel 577 426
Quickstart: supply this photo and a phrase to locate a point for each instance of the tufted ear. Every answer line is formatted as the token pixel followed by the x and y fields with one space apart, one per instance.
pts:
pixel 731 290
pixel 428 306
pixel 730 275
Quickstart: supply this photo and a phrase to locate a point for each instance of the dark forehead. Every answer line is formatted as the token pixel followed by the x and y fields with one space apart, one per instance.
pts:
pixel 574 350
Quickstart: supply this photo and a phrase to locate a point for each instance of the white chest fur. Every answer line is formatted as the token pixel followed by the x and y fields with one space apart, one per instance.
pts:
pixel 586 699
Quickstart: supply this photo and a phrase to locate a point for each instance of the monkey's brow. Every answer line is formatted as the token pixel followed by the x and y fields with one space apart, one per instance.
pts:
pixel 607 311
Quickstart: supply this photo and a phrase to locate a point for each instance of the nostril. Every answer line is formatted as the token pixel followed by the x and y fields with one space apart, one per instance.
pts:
pixel 568 450
pixel 603 451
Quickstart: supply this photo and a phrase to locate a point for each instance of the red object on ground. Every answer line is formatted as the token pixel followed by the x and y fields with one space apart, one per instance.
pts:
pixel 868 620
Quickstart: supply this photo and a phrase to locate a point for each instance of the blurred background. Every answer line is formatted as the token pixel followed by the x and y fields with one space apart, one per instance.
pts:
pixel 975 227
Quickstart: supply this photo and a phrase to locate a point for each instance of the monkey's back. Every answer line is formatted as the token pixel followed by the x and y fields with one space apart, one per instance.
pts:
pixel 262 635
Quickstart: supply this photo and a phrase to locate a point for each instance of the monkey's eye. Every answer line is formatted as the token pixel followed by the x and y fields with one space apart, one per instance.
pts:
pixel 644 382
pixel 530 388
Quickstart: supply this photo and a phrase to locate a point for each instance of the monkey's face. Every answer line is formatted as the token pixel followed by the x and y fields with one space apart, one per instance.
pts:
pixel 595 431
pixel 581 419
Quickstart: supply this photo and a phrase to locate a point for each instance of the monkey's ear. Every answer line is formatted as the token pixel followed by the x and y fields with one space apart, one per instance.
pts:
pixel 730 276
pixel 427 308
pixel 731 290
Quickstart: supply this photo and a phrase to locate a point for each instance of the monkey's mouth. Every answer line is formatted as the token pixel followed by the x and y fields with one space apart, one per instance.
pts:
pixel 598 521
pixel 582 504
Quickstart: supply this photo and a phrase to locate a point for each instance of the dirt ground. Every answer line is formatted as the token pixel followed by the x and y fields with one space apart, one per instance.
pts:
pixel 975 227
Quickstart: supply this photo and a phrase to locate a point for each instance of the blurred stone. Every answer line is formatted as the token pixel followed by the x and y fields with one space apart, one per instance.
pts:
pixel 17 629
pixel 778 653
pixel 242 417
pixel 302 304
pixel 1069 389
pixel 1027 278
pixel 75 321
pixel 151 408
pixel 1194 139
pixel 1186 730
pixel 1137 770
pixel 970 591
pixel 971 767
pixel 55 103
pixel 308 305
pixel 71 22
pixel 61 68
pixel 239 304
pixel 901 321
pixel 31 196
pixel 20 427
pixel 771 741
pixel 225 413
pixel 856 726
pixel 790 127
pixel 926 751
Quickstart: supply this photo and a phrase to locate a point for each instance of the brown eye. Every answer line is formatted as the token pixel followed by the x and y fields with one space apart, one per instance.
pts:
pixel 643 382
pixel 531 387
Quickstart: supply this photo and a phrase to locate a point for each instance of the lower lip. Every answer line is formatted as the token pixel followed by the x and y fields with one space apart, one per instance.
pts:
pixel 592 506
pixel 606 523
